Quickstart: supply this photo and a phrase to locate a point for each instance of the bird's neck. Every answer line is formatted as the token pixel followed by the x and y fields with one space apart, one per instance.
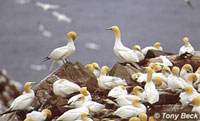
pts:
pixel 149 77
pixel 118 39
pixel 27 89
pixel 70 42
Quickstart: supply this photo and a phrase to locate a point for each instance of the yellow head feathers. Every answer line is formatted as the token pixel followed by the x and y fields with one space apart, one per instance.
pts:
pixel 27 87
pixel 136 47
pixel 84 91
pixel 192 77
pixel 29 119
pixel 175 70
pixel 134 119
pixel 158 81
pixel 90 67
pixel 186 40
pixel 71 35
pixel 136 101
pixel 143 117
pixel 84 116
pixel 166 70
pixel 47 112
pixel 104 70
pixel 116 30
pixel 188 89
pixel 196 101
pixel 137 90
pixel 188 68
pixel 157 45
pixel 95 65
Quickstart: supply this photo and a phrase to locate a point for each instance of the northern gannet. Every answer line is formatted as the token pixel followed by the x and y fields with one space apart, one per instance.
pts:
pixel 123 53
pixel 160 83
pixel 138 51
pixel 139 92
pixel 61 17
pixel 196 107
pixel 63 87
pixel 139 77
pixel 156 46
pixel 108 82
pixel 186 70
pixel 46 6
pixel 151 118
pixel 64 52
pixel 150 89
pixel 79 99
pixel 29 119
pixel 187 96
pixel 73 114
pixel 187 49
pixel 96 69
pixel 192 78
pixel 143 117
pixel 165 61
pixel 23 101
pixel 85 117
pixel 134 119
pixel 174 81
pixel 39 116
pixel 93 106
pixel 131 110
pixel 117 91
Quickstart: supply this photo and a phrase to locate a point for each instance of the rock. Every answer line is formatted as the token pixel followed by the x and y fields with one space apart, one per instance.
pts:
pixel 156 53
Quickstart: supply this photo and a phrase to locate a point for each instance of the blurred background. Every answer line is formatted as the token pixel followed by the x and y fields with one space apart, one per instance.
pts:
pixel 28 33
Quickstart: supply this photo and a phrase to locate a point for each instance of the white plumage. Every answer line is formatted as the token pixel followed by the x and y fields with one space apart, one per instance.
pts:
pixel 61 17
pixel 46 6
pixel 39 116
pixel 117 91
pixel 186 48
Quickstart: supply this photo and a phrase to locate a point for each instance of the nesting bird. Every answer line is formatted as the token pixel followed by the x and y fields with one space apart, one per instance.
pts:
pixel 39 116
pixel 85 117
pixel 117 91
pixel 186 50
pixel 123 53
pixel 186 70
pixel 156 46
pixel 23 101
pixel 165 61
pixel 63 87
pixel 62 53
pixel 196 107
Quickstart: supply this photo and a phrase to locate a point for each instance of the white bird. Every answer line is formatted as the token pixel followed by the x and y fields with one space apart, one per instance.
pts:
pixel 150 89
pixel 143 117
pixel 96 69
pixel 188 95
pixel 187 49
pixel 79 99
pixel 61 17
pixel 139 77
pixel 44 32
pixel 123 53
pixel 63 87
pixel 127 99
pixel 174 81
pixel 165 61
pixel 138 51
pixel 196 107
pixel 46 6
pixel 73 114
pixel 64 52
pixel 156 46
pixel 186 70
pixel 131 110
pixel 23 101
pixel 84 117
pixel 160 83
pixel 117 91
pixel 108 82
pixel 39 116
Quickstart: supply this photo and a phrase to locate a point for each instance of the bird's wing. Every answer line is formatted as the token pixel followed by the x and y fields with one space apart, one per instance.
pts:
pixel 58 53
pixel 128 56
pixel 56 14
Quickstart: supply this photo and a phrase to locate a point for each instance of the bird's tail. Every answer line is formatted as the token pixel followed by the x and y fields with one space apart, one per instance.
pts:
pixel 8 111
pixel 45 59
pixel 52 65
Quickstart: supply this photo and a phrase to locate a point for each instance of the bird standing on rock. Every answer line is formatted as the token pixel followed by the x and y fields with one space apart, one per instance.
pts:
pixel 186 50
pixel 138 51
pixel 156 46
pixel 123 53
pixel 64 52
pixel 23 101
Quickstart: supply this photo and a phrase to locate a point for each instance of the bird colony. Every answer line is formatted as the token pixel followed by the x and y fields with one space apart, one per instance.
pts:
pixel 128 105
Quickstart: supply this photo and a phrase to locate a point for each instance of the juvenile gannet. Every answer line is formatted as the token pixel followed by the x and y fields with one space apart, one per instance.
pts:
pixel 196 107
pixel 23 101
pixel 64 52
pixel 61 17
pixel 165 61
pixel 192 78
pixel 188 95
pixel 143 117
pixel 117 91
pixel 187 49
pixel 156 46
pixel 174 81
pixel 46 6
pixel 39 116
pixel 186 70
pixel 73 114
pixel 131 110
pixel 150 89
pixel 63 87
pixel 85 117
pixel 79 99
pixel 123 53
pixel 134 119
pixel 108 82
pixel 138 51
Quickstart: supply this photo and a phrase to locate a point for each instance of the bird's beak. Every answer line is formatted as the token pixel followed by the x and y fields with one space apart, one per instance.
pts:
pixel 34 83
pixel 109 29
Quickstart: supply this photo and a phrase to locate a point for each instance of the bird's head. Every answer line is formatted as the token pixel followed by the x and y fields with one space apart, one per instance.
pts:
pixel 71 35
pixel 90 67
pixel 175 70
pixel 47 112
pixel 151 65
pixel 196 101
pixel 95 65
pixel 104 70
pixel 192 77
pixel 137 90
pixel 188 68
pixel 116 30
pixel 158 81
pixel 84 91
pixel 143 116
pixel 151 118
pixel 157 45
pixel 166 70
pixel 157 68
pixel 136 101
pixel 84 116
pixel 123 87
pixel 134 119
pixel 188 89
pixel 186 40
pixel 136 47
pixel 27 87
